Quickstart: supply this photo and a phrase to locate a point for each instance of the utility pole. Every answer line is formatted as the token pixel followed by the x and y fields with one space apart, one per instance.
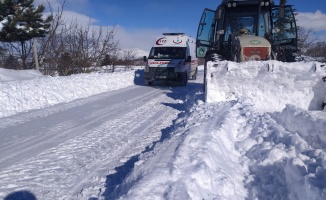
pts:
pixel 35 54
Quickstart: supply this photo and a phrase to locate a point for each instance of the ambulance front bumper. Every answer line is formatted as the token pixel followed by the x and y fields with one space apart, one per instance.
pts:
pixel 160 73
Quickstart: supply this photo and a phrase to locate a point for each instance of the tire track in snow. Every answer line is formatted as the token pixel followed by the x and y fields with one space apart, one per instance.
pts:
pixel 142 135
pixel 127 126
pixel 31 139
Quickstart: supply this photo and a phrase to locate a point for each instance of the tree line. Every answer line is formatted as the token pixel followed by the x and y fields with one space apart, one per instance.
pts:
pixel 62 47
pixel 309 45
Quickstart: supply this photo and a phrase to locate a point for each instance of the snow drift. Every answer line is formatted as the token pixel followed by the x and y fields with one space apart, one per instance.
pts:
pixel 260 136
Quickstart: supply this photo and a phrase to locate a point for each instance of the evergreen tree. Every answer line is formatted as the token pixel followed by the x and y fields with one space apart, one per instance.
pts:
pixel 21 21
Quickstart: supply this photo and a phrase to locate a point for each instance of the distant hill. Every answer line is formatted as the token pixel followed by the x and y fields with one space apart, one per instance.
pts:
pixel 140 53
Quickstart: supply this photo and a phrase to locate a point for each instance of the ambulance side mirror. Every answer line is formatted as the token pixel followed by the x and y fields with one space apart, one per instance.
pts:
pixel 188 59
pixel 145 59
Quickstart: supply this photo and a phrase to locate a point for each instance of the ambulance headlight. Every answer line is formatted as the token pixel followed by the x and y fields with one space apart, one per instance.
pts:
pixel 266 3
pixel 234 4
pixel 229 5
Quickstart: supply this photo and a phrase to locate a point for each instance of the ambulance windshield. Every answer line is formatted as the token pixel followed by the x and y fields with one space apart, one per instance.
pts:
pixel 167 53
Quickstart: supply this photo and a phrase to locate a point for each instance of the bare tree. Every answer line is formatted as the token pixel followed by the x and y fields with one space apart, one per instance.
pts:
pixel 89 45
pixel 22 54
pixel 111 60
pixel 309 44
pixel 3 52
pixel 305 38
pixel 317 50
pixel 11 62
pixel 50 49
pixel 128 58
pixel 86 45
pixel 64 65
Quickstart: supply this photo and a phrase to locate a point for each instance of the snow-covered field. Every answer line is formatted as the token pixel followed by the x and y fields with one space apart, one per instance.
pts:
pixel 262 135
pixel 33 91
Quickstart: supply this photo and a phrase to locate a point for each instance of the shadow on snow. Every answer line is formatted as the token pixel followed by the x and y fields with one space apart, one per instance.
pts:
pixel 20 195
pixel 186 96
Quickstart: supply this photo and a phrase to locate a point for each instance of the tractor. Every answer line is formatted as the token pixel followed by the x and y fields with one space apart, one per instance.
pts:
pixel 246 30
pixel 242 30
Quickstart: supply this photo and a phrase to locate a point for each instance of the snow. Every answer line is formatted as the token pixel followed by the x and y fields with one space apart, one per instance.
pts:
pixel 260 135
pixel 2 23
pixel 43 91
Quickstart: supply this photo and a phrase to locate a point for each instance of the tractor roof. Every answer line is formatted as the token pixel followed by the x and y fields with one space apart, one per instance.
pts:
pixel 246 2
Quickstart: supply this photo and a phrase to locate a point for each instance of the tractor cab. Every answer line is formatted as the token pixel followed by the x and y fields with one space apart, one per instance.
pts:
pixel 223 30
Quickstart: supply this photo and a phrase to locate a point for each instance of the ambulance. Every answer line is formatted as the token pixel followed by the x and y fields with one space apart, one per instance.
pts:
pixel 172 58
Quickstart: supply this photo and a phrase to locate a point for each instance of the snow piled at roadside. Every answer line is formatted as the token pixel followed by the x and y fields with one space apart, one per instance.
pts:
pixel 34 91
pixel 271 84
pixel 262 136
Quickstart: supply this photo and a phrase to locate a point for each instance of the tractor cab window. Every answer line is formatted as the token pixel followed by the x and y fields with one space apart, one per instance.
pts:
pixel 167 53
pixel 238 24
pixel 284 27
pixel 264 24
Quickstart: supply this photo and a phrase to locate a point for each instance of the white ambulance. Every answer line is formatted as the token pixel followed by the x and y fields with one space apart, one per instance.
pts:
pixel 172 57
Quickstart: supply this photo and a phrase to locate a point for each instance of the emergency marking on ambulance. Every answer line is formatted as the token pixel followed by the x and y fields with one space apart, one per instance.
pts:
pixel 172 58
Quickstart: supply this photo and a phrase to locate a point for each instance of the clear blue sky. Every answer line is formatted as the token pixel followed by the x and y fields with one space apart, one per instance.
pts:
pixel 175 14
pixel 170 15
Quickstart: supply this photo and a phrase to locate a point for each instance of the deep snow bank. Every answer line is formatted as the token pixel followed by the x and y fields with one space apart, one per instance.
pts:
pixel 270 85
pixel 261 136
pixel 42 91
pixel 228 151
pixel 310 125
pixel 10 75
